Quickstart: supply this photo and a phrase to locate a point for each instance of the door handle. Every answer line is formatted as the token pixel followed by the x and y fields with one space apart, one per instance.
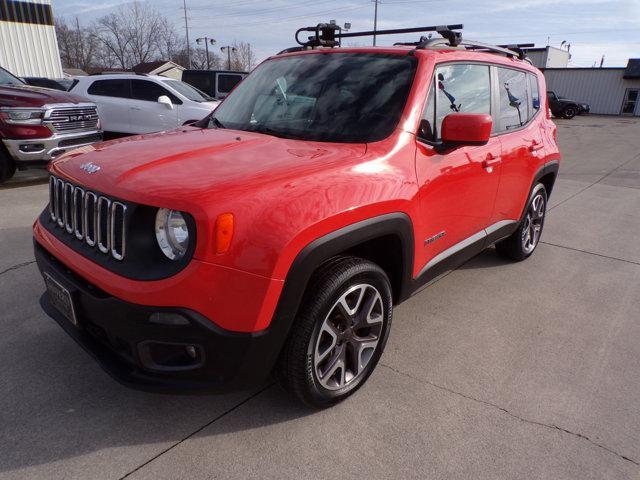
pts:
pixel 535 146
pixel 135 108
pixel 491 161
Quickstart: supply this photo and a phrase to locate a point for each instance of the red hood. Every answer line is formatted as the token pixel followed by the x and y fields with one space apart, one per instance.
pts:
pixel 27 96
pixel 183 166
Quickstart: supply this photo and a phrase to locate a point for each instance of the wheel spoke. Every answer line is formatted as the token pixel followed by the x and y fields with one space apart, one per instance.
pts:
pixel 327 330
pixel 363 351
pixel 337 362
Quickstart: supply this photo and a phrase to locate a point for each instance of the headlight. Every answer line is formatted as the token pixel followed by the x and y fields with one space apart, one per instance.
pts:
pixel 172 233
pixel 21 115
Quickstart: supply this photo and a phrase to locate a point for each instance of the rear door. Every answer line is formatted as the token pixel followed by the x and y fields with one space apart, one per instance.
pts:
pixel 457 187
pixel 112 97
pixel 520 131
pixel 147 114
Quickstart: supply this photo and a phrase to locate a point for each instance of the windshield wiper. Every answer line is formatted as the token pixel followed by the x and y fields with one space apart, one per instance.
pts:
pixel 270 131
pixel 218 124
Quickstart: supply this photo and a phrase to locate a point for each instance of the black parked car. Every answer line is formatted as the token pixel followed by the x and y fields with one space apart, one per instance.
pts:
pixel 565 108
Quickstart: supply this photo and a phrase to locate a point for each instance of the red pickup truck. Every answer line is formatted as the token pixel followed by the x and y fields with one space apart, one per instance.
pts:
pixel 38 124
pixel 277 234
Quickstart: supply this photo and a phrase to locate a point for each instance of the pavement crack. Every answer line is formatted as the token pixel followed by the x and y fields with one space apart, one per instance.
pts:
pixel 511 414
pixel 591 253
pixel 198 430
pixel 16 267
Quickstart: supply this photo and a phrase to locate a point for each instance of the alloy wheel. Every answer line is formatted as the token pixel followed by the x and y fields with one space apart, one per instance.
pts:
pixel 533 224
pixel 348 337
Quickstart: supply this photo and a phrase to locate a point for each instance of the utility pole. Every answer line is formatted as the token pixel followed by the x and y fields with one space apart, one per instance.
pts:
pixel 375 21
pixel 207 41
pixel 229 49
pixel 186 27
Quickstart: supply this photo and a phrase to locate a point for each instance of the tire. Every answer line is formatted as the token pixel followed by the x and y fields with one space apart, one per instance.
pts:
pixel 523 242
pixel 569 112
pixel 318 362
pixel 7 166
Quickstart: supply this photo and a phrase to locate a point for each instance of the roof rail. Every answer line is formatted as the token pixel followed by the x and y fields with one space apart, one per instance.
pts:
pixel 120 73
pixel 513 51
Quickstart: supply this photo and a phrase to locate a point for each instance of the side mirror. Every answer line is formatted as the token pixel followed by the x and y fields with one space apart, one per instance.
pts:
pixel 466 129
pixel 164 100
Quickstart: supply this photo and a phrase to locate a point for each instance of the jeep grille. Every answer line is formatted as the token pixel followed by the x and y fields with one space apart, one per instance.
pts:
pixel 73 119
pixel 92 218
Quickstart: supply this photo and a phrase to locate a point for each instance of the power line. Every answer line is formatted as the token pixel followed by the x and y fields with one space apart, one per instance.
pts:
pixel 186 27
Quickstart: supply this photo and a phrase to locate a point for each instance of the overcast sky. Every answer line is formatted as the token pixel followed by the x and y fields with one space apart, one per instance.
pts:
pixel 592 27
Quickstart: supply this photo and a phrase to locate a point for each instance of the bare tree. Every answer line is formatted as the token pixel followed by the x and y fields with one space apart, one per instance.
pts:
pixel 243 58
pixel 137 33
pixel 78 45
pixel 199 59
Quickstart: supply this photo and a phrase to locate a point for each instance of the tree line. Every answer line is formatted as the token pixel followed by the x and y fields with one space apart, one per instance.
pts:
pixel 137 33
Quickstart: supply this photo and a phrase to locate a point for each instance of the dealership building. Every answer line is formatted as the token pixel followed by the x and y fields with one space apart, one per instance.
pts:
pixel 28 45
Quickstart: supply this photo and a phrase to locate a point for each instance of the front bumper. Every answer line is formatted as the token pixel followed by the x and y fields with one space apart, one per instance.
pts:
pixel 34 150
pixel 118 334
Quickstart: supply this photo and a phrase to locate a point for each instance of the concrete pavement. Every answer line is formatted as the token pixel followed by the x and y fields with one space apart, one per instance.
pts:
pixel 498 370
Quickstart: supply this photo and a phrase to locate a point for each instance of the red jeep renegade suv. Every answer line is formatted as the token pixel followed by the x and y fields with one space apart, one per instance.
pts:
pixel 277 234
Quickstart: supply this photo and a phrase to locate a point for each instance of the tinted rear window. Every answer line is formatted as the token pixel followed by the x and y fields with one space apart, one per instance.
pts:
pixel 227 81
pixel 110 88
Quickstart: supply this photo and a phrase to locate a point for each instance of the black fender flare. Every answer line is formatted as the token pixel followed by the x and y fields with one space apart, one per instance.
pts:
pixel 550 167
pixel 320 250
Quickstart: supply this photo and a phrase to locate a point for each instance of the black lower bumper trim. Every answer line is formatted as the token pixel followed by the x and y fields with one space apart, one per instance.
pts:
pixel 112 332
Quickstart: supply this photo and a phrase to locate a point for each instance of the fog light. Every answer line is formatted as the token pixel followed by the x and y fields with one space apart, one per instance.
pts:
pixel 167 357
pixel 168 318
pixel 31 147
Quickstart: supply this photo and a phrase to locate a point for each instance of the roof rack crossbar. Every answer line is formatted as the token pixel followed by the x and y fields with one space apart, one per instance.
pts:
pixel 330 35
pixel 400 31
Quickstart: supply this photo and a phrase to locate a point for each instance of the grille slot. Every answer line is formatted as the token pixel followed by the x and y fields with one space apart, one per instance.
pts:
pixel 96 220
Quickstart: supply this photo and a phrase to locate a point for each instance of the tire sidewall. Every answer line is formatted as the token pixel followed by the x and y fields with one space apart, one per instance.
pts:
pixel 539 188
pixel 570 112
pixel 380 281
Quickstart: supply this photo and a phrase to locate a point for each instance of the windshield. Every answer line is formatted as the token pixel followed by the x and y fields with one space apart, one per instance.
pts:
pixel 332 97
pixel 7 79
pixel 188 91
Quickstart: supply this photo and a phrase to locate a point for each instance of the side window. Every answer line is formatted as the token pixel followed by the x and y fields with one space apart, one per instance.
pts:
pixel 535 96
pixel 110 88
pixel 513 99
pixel 150 91
pixel 226 82
pixel 461 88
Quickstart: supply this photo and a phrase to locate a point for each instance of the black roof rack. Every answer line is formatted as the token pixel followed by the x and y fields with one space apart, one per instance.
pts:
pixel 330 35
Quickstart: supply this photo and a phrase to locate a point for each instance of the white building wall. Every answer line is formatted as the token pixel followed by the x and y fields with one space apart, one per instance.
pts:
pixel 556 58
pixel 30 50
pixel 602 88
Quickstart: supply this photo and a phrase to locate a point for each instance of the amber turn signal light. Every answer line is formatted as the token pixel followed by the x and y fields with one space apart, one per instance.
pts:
pixel 224 232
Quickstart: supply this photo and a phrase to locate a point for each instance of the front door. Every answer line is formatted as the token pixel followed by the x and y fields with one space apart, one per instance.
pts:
pixel 631 101
pixel 147 114
pixel 457 187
